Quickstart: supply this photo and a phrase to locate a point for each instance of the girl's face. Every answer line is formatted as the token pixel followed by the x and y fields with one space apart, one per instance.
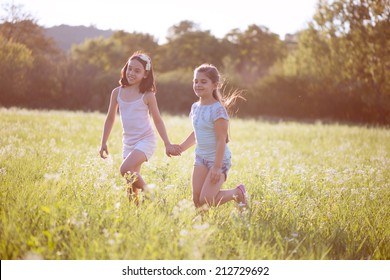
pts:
pixel 135 72
pixel 203 86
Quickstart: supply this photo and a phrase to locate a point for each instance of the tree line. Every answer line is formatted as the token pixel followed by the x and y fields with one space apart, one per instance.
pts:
pixel 338 68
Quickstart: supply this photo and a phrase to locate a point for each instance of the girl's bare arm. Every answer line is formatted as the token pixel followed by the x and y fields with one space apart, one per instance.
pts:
pixel 109 123
pixel 189 142
pixel 221 130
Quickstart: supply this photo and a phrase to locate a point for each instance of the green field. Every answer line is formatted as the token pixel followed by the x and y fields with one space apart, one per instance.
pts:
pixel 317 191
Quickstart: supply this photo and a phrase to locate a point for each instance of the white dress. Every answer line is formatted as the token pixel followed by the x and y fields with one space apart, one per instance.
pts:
pixel 138 133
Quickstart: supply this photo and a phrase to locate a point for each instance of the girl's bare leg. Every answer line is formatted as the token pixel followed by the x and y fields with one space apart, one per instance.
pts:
pixel 199 175
pixel 131 167
pixel 214 196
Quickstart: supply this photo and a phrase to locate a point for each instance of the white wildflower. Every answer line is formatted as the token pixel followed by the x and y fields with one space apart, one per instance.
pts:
pixel 3 171
pixel 30 255
pixel 201 226
pixel 52 177
pixel 169 187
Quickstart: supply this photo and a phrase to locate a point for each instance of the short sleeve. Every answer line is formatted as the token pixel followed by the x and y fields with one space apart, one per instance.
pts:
pixel 192 110
pixel 219 112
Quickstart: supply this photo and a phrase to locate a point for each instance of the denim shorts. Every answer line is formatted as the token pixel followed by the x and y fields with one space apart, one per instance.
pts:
pixel 226 164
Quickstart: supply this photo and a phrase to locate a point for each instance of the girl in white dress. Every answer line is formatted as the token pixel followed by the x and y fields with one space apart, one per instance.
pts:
pixel 135 99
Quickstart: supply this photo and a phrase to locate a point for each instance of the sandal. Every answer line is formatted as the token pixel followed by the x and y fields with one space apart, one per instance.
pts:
pixel 244 193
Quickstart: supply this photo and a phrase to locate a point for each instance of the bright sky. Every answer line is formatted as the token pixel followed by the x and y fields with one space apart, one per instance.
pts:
pixel 156 16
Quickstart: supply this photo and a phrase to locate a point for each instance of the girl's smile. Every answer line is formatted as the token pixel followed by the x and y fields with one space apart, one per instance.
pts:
pixel 135 72
pixel 203 87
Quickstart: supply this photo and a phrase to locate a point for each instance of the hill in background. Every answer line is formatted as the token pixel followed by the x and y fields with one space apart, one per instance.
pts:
pixel 66 35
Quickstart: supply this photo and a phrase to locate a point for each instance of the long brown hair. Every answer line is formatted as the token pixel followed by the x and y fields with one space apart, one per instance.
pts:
pixel 226 99
pixel 148 84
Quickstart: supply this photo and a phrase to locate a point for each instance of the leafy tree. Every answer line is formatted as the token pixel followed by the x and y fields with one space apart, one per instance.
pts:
pixel 110 54
pixel 188 47
pixel 16 62
pixel 128 43
pixel 18 27
pixel 13 14
pixel 254 51
pixel 94 66
pixel 348 46
pixel 182 28
pixel 344 56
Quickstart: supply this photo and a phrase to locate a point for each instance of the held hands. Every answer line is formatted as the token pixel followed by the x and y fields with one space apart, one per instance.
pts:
pixel 173 150
pixel 170 150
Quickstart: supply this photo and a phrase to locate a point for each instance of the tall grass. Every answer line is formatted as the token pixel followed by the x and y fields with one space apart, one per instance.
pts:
pixel 316 192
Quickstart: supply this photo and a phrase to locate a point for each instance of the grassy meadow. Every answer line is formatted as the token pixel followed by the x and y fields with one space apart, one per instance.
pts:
pixel 317 191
